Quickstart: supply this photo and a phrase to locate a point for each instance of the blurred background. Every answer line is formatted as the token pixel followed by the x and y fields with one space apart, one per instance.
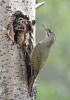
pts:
pixel 54 78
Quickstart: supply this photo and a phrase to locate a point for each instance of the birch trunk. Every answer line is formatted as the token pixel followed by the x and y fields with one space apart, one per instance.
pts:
pixel 13 74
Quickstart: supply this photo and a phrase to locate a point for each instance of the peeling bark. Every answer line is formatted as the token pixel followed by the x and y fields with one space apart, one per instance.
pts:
pixel 13 74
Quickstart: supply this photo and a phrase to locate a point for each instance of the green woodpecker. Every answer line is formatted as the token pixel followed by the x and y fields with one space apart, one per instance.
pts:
pixel 40 55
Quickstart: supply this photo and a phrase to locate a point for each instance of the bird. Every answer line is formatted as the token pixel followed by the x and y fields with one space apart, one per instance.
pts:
pixel 40 54
pixel 20 30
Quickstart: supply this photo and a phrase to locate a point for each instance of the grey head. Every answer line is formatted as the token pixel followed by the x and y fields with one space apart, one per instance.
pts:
pixel 19 24
pixel 49 32
pixel 50 36
pixel 20 20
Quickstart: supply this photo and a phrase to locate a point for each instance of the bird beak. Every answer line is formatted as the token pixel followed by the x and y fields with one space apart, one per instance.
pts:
pixel 45 28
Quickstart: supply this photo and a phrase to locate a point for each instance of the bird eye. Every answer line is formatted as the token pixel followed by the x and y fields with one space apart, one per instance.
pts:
pixel 22 22
pixel 49 30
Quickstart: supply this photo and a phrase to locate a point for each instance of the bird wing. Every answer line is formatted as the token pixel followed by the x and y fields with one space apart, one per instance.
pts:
pixel 39 56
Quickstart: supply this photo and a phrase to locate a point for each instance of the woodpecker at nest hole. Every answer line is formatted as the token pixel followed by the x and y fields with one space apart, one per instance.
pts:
pixel 20 31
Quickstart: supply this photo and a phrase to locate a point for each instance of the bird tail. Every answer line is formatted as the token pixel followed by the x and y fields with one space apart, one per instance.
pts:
pixel 30 87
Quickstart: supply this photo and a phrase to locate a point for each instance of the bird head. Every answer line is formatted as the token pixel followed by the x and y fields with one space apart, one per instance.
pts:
pixel 49 32
pixel 50 35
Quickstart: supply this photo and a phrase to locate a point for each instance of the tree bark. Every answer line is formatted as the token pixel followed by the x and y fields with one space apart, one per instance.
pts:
pixel 13 74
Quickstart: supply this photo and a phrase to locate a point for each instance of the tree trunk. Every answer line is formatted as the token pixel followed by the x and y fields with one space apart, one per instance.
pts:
pixel 13 74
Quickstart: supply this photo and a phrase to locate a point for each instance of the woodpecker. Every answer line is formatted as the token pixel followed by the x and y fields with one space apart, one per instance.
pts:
pixel 19 30
pixel 40 54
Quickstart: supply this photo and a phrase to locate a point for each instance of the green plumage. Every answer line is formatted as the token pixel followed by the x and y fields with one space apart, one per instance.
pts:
pixel 40 55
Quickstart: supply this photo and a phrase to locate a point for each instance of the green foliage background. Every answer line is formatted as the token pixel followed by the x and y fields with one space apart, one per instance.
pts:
pixel 54 78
